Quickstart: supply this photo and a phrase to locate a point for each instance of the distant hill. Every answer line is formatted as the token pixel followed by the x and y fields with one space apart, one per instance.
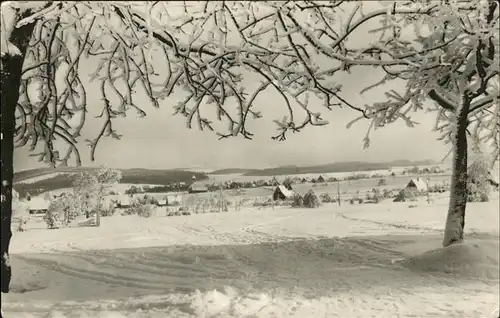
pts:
pixel 48 179
pixel 337 167
pixel 232 171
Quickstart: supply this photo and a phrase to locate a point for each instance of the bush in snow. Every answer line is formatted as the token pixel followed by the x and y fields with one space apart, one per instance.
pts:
pixel 62 211
pixel 406 195
pixel 109 211
pixel 311 200
pixel 382 182
pixel 325 198
pixel 145 210
pixel 478 182
pixel 53 219
pixel 387 194
pixel 297 201
pixel 288 183
pixel 375 196
pixel 137 208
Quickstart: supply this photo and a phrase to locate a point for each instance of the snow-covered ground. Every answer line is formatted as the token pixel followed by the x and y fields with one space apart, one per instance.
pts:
pixel 382 260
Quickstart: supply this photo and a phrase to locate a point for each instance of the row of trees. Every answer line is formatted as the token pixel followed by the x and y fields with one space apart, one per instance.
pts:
pixel 89 189
pixel 177 186
pixel 443 55
pixel 425 170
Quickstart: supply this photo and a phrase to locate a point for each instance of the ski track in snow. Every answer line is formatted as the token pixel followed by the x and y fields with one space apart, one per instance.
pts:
pixel 241 266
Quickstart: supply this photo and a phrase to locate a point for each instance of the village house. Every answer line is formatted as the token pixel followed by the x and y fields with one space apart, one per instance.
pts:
pixel 38 206
pixel 123 201
pixel 418 185
pixel 282 193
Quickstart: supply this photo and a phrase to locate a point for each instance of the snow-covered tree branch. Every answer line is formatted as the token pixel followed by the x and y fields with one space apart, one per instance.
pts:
pixel 207 48
pixel 203 48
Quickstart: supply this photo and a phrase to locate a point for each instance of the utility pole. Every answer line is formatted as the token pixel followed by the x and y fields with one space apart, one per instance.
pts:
pixel 220 198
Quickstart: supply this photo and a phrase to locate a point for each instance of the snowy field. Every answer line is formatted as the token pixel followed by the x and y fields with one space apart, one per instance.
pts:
pixel 370 260
pixel 339 175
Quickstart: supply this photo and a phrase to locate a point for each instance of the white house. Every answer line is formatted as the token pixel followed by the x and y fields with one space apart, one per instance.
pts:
pixel 123 201
pixel 282 193
pixel 417 184
pixel 38 205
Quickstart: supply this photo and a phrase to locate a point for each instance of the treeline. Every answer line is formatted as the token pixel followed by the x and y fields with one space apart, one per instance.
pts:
pixel 350 166
pixel 174 187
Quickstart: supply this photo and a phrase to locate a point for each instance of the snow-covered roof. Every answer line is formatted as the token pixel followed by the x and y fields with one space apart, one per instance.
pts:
pixel 38 203
pixel 418 183
pixel 286 192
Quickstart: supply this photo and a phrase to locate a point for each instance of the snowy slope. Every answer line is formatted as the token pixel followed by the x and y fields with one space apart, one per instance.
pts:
pixel 380 260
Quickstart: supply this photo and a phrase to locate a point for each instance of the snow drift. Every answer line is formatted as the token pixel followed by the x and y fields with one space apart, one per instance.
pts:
pixel 466 259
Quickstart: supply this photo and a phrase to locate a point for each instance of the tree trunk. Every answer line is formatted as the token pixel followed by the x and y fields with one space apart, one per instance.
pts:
pixel 10 80
pixel 455 221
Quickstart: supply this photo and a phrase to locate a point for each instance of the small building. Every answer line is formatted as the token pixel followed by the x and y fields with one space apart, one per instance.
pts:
pixel 38 206
pixel 170 200
pixel 413 189
pixel 418 185
pixel 123 201
pixel 197 188
pixel 162 202
pixel 282 193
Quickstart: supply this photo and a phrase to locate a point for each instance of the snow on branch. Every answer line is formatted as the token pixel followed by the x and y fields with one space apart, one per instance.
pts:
pixel 207 49
pixel 454 45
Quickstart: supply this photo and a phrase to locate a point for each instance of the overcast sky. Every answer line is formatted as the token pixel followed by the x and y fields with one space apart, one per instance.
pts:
pixel 162 141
